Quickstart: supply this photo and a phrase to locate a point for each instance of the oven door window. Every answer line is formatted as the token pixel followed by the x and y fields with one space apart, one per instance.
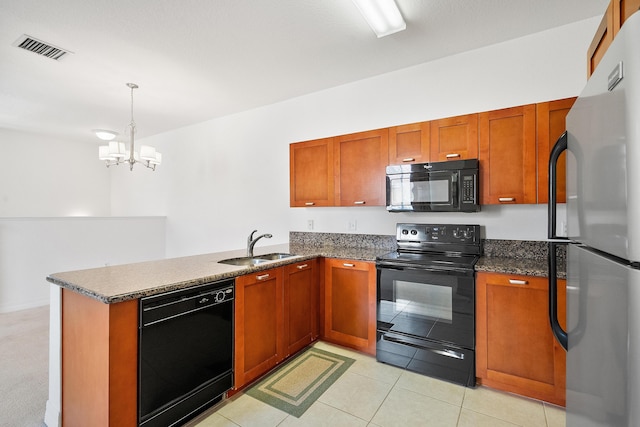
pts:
pixel 423 191
pixel 427 305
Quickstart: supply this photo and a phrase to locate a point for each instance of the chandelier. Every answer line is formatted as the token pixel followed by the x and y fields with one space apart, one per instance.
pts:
pixel 116 153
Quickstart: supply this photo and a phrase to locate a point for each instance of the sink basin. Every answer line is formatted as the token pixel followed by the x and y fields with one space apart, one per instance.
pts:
pixel 272 257
pixel 255 260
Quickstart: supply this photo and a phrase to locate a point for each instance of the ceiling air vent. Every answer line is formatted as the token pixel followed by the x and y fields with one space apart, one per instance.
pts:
pixel 41 48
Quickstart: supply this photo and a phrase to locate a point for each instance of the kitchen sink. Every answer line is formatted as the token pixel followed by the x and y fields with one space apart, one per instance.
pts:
pixel 255 260
pixel 274 256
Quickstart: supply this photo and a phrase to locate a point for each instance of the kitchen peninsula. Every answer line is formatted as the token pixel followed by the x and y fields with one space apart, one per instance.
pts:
pixel 100 317
pixel 100 310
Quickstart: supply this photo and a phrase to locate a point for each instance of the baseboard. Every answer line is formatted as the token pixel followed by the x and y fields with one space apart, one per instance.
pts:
pixel 8 308
pixel 52 415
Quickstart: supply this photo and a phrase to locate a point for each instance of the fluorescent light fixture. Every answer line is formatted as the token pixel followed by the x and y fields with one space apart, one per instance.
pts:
pixel 383 16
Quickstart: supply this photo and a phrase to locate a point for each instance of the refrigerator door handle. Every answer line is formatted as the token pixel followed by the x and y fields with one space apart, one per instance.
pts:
pixel 559 147
pixel 558 332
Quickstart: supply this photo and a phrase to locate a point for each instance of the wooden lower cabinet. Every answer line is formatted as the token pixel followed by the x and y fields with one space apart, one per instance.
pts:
pixel 259 324
pixel 349 314
pixel 515 348
pixel 301 294
pixel 276 315
pixel 99 362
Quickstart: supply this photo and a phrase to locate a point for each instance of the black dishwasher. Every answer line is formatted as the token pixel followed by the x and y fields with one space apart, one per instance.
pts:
pixel 186 352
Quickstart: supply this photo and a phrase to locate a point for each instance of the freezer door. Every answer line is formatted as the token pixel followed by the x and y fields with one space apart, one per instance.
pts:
pixel 603 360
pixel 603 164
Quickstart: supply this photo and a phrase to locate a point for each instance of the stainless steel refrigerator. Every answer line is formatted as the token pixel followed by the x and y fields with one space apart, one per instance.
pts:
pixel 603 228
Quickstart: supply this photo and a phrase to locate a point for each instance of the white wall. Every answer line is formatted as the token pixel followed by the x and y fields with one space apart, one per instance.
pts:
pixel 225 177
pixel 45 177
pixel 33 248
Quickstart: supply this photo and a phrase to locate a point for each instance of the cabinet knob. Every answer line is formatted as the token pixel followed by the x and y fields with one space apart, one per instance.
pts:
pixel 518 282
pixel 506 199
pixel 262 276
pixel 409 159
pixel 359 202
pixel 309 203
pixel 453 155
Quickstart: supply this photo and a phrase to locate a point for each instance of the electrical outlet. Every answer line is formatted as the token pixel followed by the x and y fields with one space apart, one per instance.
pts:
pixel 309 224
pixel 352 225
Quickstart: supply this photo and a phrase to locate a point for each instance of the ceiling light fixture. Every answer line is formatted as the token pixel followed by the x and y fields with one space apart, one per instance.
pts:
pixel 115 153
pixel 105 135
pixel 383 16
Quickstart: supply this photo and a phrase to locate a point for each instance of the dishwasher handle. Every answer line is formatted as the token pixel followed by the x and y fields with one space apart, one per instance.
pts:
pixel 170 305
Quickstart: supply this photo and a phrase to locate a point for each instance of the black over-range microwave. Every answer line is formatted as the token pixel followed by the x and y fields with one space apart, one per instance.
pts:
pixel 434 187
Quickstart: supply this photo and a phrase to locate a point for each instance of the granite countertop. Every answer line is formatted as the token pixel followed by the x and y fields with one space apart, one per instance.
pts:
pixel 119 283
pixel 526 258
pixel 523 267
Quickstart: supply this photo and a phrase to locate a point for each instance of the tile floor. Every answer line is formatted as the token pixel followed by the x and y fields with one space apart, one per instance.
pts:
pixel 377 395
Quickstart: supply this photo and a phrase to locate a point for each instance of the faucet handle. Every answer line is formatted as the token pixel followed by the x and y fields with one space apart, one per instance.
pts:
pixel 251 235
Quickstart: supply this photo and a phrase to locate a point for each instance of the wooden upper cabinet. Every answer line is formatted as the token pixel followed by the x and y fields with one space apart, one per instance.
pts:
pixel 627 8
pixel 508 155
pixel 601 40
pixel 409 143
pixel 311 173
pixel 360 166
pixel 551 124
pixel 454 138
pixel 618 11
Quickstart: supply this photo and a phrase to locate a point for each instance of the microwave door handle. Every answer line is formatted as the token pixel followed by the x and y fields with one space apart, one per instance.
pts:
pixel 552 210
pixel 454 189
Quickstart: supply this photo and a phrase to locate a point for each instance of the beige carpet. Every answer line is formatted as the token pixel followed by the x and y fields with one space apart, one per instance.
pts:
pixel 296 385
pixel 24 367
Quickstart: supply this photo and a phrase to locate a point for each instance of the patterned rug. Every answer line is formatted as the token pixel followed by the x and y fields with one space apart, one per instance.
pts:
pixel 296 385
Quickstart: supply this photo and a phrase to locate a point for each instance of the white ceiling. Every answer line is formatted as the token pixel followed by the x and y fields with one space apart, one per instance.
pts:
pixel 199 59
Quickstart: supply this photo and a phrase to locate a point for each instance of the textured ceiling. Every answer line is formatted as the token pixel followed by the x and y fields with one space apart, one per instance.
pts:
pixel 199 59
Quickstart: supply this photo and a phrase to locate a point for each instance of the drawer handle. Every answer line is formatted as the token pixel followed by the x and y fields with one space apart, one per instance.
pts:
pixel 346 264
pixel 507 199
pixel 359 202
pixel 518 282
pixel 263 276
pixel 408 159
pixel 300 267
pixel 453 155
pixel 309 203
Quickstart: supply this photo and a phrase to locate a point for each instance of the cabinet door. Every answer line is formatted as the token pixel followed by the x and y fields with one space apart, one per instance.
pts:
pixel 602 39
pixel 515 349
pixel 627 8
pixel 259 324
pixel 454 138
pixel 409 143
pixel 361 160
pixel 350 304
pixel 508 155
pixel 550 117
pixel 300 305
pixel 311 173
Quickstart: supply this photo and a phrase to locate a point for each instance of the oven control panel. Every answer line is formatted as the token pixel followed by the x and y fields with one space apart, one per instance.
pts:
pixel 438 233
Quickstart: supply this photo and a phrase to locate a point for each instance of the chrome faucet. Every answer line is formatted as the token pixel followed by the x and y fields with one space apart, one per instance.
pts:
pixel 251 242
